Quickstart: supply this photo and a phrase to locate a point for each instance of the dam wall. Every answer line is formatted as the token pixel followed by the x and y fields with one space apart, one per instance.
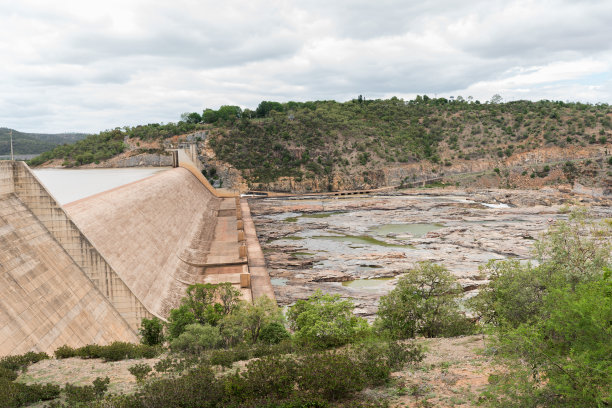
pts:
pixel 89 271
pixel 160 234
pixel 46 298
pixel 32 193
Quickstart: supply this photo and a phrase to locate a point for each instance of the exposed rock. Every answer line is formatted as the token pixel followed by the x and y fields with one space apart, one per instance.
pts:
pixel 468 228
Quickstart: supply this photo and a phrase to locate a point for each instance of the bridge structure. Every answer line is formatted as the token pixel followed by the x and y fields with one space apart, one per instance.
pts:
pixel 89 271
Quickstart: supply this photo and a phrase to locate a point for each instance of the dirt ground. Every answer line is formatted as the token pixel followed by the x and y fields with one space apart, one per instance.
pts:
pixel 453 374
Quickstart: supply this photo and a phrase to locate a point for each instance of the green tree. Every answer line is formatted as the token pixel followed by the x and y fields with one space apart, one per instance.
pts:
pixel 262 312
pixel 151 331
pixel 179 318
pixel 424 301
pixel 325 320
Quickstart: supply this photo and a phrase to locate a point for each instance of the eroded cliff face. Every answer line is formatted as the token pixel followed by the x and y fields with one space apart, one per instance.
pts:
pixel 516 171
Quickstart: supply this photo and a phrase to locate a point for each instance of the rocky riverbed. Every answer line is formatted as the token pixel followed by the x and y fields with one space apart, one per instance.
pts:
pixel 357 246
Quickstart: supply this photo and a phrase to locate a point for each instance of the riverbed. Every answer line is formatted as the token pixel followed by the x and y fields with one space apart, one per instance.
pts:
pixel 359 246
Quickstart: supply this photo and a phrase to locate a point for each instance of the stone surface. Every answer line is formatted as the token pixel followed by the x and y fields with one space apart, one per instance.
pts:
pixel 323 243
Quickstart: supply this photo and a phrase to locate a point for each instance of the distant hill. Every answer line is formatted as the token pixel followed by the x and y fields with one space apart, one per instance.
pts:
pixel 329 145
pixel 34 143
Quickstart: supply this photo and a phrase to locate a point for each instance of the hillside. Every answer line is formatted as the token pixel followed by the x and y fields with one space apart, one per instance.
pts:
pixel 328 145
pixel 34 143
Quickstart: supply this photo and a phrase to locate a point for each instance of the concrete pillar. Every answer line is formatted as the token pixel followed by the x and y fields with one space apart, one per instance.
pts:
pixel 240 235
pixel 240 225
pixel 245 280
pixel 238 213
pixel 242 251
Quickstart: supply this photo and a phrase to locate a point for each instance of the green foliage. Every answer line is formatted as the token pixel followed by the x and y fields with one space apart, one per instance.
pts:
pixel 95 147
pixel 82 396
pixel 22 361
pixel 140 371
pixel 324 321
pixel 273 333
pixel 151 331
pixel 113 352
pixel 261 313
pixel 424 302
pixel 210 302
pixel 179 318
pixel 34 143
pixel 553 320
pixel 13 394
pixel 196 338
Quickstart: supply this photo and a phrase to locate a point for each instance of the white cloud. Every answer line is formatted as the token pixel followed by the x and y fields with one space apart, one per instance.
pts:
pixel 88 66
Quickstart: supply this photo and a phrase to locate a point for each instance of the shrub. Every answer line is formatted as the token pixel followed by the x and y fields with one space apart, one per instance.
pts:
pixel 14 394
pixel 273 333
pixel 424 301
pixel 271 376
pixel 90 351
pixel 553 321
pixel 197 338
pixel 151 331
pixel 7 374
pixel 331 374
pixel 22 361
pixel 81 395
pixel 117 351
pixel 140 371
pixel 197 388
pixel 324 321
pixel 65 351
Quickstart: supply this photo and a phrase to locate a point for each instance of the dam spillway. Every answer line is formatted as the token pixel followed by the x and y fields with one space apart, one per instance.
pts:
pixel 90 271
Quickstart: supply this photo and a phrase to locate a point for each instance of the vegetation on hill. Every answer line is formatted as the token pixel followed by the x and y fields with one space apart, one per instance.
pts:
pixel 109 143
pixel 34 143
pixel 316 140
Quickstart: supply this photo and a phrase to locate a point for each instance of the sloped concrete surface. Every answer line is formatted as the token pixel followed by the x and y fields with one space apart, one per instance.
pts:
pixel 46 299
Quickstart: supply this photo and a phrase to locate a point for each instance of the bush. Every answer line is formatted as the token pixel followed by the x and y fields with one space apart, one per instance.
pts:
pixel 271 376
pixel 198 388
pixel 424 301
pixel 14 394
pixel 151 331
pixel 324 321
pixel 553 321
pixel 22 361
pixel 273 333
pixel 82 395
pixel 65 351
pixel 90 351
pixel 197 338
pixel 140 371
pixel 331 374
pixel 6 374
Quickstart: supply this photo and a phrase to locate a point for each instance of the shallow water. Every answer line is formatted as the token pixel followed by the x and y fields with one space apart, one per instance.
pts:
pixel 416 230
pixel 68 185
pixel 278 281
pixel 373 283
pixel 358 239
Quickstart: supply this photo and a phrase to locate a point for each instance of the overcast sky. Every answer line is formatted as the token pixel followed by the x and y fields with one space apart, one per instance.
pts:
pixel 89 66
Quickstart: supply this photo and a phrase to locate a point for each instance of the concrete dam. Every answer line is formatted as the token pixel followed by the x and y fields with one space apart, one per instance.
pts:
pixel 90 271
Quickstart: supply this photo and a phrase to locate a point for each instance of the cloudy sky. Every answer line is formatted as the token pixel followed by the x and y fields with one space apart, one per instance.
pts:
pixel 90 66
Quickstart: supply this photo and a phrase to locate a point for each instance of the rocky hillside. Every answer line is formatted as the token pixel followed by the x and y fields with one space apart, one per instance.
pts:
pixel 327 145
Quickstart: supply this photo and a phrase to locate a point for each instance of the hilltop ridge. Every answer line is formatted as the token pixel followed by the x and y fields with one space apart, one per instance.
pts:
pixel 329 145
